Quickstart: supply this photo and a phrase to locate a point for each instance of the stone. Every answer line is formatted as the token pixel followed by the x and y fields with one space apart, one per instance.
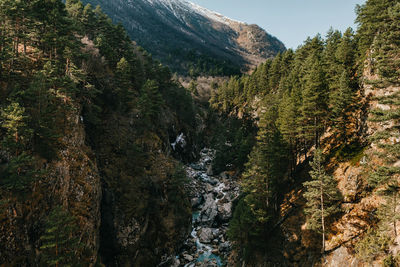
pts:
pixel 209 211
pixel 210 170
pixel 223 175
pixel 220 195
pixel 205 235
pixel 188 257
pixel 225 211
pixel 341 257
pixel 196 167
pixel 209 188
pixel 176 263
pixel 196 201
pixel 216 232
pixel 212 181
pixel 224 247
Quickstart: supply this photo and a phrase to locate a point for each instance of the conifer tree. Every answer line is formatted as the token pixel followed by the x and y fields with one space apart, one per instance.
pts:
pixel 193 87
pixel 322 197
pixel 18 174
pixel 314 105
pixel 13 120
pixel 341 101
pixel 275 72
pixel 387 212
pixel 288 114
pixel 266 167
pixel 59 243
pixel 123 91
pixel 150 101
pixel 329 56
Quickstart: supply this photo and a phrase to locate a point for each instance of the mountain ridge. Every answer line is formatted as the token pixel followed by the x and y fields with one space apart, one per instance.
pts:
pixel 191 39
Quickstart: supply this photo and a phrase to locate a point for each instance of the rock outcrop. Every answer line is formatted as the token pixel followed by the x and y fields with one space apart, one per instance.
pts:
pixel 72 181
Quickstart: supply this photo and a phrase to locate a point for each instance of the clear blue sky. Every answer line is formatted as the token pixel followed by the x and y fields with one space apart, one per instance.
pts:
pixel 291 21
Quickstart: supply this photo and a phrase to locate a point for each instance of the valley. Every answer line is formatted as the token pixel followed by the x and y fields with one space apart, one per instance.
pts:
pixel 159 133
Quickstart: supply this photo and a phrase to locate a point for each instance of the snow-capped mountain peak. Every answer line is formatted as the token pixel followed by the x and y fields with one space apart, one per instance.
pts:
pixel 185 35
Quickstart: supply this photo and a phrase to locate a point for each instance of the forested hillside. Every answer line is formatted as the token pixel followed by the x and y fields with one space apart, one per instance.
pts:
pixel 336 98
pixel 86 124
pixel 106 160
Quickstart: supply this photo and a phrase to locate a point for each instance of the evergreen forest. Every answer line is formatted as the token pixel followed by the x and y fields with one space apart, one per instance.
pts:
pixel 99 143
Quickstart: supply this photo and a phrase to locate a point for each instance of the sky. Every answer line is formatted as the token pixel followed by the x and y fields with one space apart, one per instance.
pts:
pixel 291 21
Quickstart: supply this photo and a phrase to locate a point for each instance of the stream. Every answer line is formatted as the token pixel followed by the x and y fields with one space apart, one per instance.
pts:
pixel 211 198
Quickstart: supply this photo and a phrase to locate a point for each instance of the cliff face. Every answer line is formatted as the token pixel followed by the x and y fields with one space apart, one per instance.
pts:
pixel 73 181
pixel 146 213
pixel 362 201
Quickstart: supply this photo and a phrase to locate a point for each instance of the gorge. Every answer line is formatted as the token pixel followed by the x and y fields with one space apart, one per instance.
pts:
pixel 280 157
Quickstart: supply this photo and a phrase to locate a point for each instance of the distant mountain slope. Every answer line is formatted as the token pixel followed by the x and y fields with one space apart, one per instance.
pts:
pixel 191 39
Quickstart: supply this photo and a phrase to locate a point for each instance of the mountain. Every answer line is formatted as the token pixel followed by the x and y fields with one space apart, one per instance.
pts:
pixel 192 39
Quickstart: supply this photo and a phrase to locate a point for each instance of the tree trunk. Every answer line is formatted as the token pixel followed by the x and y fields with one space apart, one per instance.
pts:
pixel 316 133
pixel 322 214
pixel 394 213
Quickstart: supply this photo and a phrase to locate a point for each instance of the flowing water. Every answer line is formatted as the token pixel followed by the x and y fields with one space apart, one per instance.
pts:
pixel 211 197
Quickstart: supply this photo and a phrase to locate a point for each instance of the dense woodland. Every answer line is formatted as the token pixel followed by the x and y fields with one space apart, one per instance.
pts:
pixel 283 125
pixel 59 62
pixel 310 99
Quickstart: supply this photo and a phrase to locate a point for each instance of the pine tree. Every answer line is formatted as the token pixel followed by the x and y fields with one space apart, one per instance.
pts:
pixel 123 91
pixel 19 173
pixel 387 212
pixel 245 229
pixel 331 64
pixel 59 243
pixel 322 197
pixel 314 106
pixel 288 114
pixel 371 16
pixel 341 102
pixel 150 101
pixel 193 87
pixel 13 120
pixel 266 167
pixel 275 72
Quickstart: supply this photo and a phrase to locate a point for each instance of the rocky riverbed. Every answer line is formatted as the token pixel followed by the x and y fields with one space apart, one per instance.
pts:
pixel 211 197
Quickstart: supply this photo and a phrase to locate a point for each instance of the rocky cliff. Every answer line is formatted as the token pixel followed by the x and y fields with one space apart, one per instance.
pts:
pixel 73 181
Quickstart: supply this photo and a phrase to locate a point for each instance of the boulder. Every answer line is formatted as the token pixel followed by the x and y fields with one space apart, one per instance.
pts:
pixel 210 170
pixel 223 175
pixel 188 257
pixel 196 201
pixel 209 188
pixel 224 247
pixel 225 211
pixel 212 181
pixel 209 211
pixel 216 232
pixel 205 235
pixel 176 263
pixel 196 167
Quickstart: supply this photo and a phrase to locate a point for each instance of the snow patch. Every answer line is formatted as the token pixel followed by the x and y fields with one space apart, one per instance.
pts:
pixel 181 7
